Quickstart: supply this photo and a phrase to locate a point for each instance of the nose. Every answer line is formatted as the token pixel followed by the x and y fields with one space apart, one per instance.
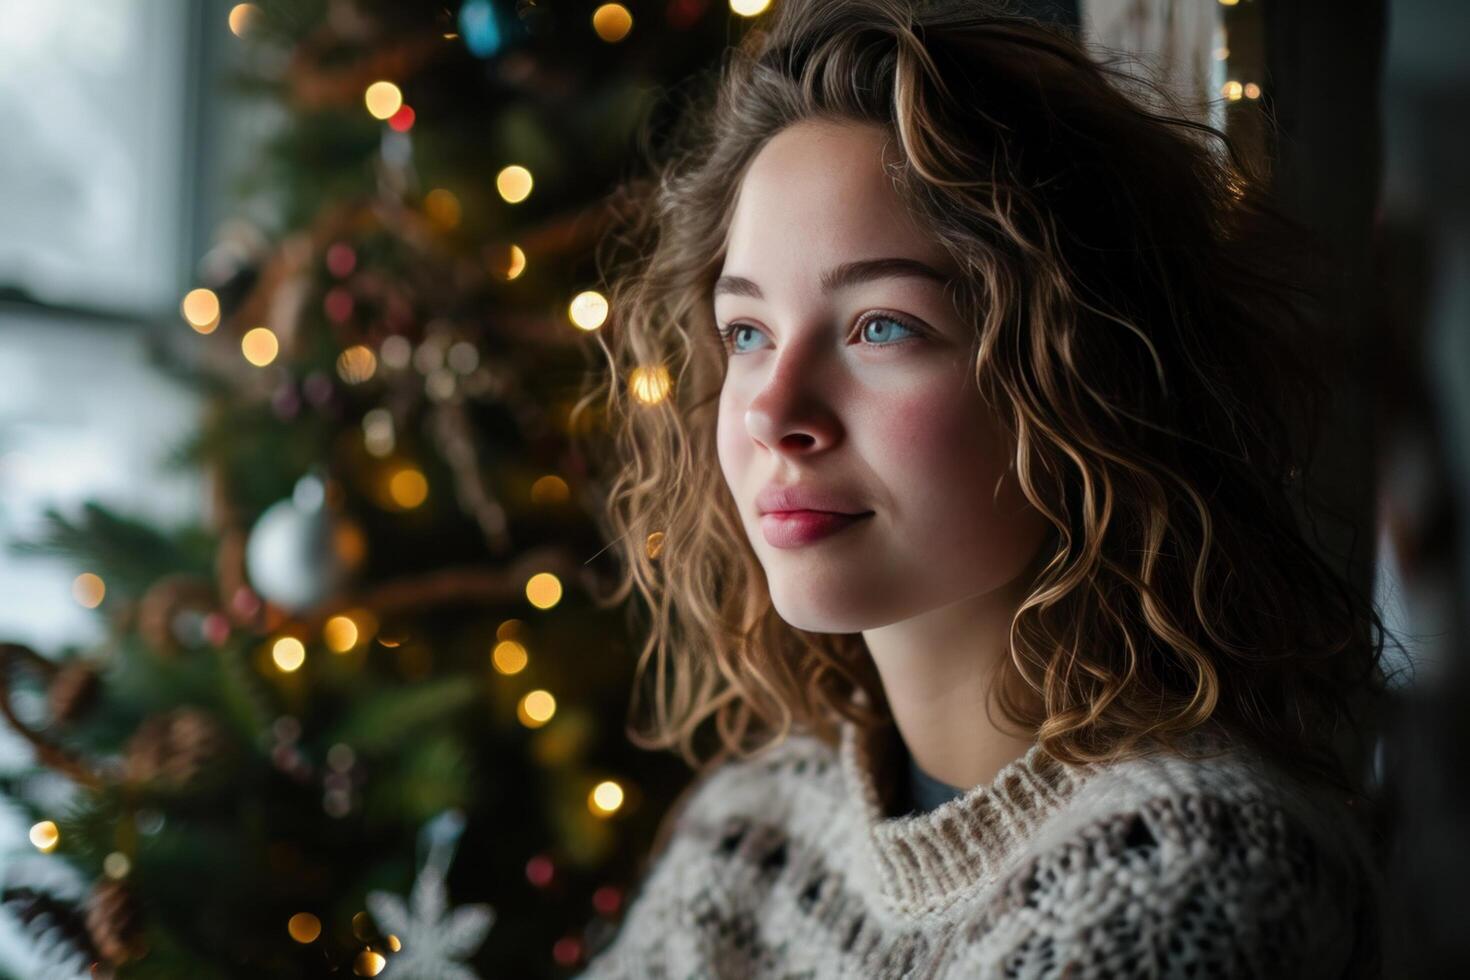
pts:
pixel 789 411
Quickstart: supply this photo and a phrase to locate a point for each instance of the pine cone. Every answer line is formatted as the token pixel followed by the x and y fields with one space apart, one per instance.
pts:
pixel 174 748
pixel 115 921
pixel 73 691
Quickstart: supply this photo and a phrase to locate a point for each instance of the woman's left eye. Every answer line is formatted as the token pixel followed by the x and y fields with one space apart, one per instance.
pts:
pixel 884 334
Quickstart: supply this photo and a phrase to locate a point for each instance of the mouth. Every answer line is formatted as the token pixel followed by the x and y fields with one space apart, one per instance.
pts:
pixel 795 528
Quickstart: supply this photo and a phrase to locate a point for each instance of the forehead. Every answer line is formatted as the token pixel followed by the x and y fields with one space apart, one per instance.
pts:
pixel 817 194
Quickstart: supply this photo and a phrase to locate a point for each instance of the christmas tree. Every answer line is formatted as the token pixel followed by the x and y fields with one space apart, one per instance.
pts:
pixel 371 717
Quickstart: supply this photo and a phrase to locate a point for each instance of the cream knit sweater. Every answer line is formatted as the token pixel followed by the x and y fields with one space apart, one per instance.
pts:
pixel 789 865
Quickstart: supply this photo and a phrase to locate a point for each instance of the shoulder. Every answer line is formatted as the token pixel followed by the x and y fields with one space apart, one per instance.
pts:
pixel 1172 866
pixel 780 781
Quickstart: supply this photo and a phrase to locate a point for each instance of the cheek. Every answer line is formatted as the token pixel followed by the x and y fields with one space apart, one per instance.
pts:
pixel 942 455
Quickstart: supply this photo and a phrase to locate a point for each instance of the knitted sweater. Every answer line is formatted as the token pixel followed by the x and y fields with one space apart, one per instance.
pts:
pixel 792 864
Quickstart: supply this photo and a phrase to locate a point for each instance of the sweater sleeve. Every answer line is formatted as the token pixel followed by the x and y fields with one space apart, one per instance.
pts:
pixel 1193 887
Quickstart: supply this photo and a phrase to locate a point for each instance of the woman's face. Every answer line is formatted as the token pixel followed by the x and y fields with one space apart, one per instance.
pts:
pixel 861 389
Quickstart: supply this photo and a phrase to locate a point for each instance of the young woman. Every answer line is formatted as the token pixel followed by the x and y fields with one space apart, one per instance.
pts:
pixel 964 510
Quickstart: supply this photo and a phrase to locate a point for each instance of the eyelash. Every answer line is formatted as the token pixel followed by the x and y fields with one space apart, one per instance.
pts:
pixel 727 334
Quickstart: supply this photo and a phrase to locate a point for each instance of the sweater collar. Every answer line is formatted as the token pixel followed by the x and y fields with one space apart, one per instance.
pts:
pixel 924 862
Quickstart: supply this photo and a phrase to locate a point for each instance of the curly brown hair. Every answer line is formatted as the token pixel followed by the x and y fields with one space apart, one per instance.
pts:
pixel 1142 318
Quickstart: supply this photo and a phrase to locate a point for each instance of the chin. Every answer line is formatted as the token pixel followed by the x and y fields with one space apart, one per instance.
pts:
pixel 813 616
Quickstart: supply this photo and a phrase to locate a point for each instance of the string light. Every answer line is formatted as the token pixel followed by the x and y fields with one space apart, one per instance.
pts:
pixel 408 488
pixel 654 544
pixel 260 346
pixel 243 18
pixel 651 384
pixel 509 657
pixel 612 22
pixel 368 963
pixel 340 634
pixel 289 654
pixel 536 708
pixel 45 836
pixel 88 590
pixel 383 99
pixel 749 8
pixel 116 865
pixel 200 308
pixel 514 183
pixel 588 309
pixel 605 799
pixel 550 489
pixel 1232 90
pixel 357 364
pixel 543 590
pixel 304 927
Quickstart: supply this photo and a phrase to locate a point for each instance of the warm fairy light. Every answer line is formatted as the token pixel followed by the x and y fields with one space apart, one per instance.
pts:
pixel 543 590
pixel 1231 90
pixel 408 487
pixel 391 941
pixel 588 309
pixel 443 208
pixel 304 927
pixel 201 309
pixel 749 8
pixel 368 963
pixel 340 634
pixel 509 657
pixel 88 590
pixel 45 836
pixel 606 798
pixel 1252 90
pixel 550 489
pixel 650 384
pixel 1228 3
pixel 243 17
pixel 116 865
pixel 654 544
pixel 514 183
pixel 383 99
pixel 260 346
pixel 357 364
pixel 612 22
pixel 1221 53
pixel 505 262
pixel 510 629
pixel 288 653
pixel 536 708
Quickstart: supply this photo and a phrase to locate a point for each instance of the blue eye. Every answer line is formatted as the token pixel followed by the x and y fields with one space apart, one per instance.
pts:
pixel 730 335
pixel 886 320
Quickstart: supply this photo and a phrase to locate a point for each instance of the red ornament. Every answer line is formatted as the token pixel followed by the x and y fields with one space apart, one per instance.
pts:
pixel 607 900
pixel 540 870
pixel 567 950
pixel 402 120
pixel 341 260
pixel 684 14
pixel 338 304
pixel 245 603
pixel 216 629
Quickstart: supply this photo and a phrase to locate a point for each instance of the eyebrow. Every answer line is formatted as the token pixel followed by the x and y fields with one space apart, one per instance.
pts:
pixel 841 276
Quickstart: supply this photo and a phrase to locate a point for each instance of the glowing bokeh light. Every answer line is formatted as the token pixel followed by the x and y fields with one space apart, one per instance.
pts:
pixel 588 309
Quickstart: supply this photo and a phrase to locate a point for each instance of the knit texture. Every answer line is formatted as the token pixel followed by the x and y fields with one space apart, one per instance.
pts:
pixel 792 864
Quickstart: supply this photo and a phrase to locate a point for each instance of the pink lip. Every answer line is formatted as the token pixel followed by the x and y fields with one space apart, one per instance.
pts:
pixel 794 528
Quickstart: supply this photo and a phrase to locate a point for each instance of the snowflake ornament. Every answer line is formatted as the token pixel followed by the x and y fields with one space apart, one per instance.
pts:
pixel 432 941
